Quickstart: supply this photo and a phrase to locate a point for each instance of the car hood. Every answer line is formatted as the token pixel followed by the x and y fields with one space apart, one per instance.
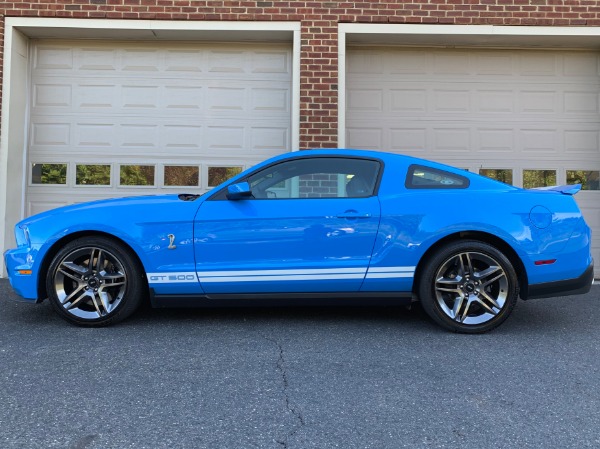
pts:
pixel 126 218
pixel 143 205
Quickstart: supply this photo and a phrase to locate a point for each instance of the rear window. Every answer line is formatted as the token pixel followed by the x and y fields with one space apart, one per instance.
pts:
pixel 420 177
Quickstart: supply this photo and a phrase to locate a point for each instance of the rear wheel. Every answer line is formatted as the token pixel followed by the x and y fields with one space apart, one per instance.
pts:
pixel 94 281
pixel 469 287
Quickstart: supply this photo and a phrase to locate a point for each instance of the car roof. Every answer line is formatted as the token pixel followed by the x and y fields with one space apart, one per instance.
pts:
pixel 477 181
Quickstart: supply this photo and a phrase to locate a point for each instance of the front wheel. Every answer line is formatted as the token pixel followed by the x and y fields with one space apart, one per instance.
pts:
pixel 468 287
pixel 94 281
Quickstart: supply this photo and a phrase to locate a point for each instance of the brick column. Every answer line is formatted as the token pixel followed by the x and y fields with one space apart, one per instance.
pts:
pixel 318 84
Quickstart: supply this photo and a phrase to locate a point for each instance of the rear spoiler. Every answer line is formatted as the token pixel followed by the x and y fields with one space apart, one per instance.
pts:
pixel 565 190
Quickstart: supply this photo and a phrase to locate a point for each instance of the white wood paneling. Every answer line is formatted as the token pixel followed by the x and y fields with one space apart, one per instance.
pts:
pixel 178 103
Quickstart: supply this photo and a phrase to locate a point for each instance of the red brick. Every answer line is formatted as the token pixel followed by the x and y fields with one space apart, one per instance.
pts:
pixel 318 68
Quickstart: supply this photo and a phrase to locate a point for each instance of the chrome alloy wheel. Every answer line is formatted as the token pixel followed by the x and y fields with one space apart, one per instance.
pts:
pixel 90 282
pixel 471 287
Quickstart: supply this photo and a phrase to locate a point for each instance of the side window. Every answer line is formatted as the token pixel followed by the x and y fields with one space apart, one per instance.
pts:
pixel 420 177
pixel 316 177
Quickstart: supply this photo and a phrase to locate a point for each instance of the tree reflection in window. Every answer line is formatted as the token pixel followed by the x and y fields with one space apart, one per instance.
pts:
pixel 49 173
pixel 137 175
pixel 538 178
pixel 182 175
pixel 589 180
pixel 217 175
pixel 92 175
pixel 504 175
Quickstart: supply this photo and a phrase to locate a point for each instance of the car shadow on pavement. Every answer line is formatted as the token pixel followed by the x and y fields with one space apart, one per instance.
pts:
pixel 295 314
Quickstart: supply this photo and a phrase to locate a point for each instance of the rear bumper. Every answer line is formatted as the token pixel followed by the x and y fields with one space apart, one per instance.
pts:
pixel 576 286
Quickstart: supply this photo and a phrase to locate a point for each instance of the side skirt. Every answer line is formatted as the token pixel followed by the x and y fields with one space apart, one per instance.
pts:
pixel 282 300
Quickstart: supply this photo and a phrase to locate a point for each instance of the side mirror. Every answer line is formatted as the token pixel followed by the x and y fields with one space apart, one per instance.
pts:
pixel 239 191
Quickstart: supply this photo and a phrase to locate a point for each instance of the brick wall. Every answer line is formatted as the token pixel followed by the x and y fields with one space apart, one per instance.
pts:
pixel 318 126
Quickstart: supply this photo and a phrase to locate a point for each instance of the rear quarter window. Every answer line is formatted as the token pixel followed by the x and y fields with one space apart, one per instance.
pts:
pixel 421 177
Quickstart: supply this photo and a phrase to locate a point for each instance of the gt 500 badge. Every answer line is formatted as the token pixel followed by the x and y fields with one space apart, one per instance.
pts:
pixel 170 278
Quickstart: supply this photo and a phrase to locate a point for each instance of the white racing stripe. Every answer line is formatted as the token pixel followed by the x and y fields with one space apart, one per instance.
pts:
pixel 390 272
pixel 389 275
pixel 299 277
pixel 391 269
pixel 311 274
pixel 283 272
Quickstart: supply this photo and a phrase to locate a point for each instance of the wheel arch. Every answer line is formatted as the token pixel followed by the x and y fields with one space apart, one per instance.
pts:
pixel 480 236
pixel 56 246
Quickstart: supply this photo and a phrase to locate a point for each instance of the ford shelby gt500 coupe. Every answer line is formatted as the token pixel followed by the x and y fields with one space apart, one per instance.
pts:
pixel 328 224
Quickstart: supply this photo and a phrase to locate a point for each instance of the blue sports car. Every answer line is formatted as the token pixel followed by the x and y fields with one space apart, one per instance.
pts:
pixel 333 225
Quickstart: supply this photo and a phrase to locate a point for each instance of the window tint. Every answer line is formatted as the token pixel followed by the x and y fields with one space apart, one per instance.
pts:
pixel 318 177
pixel 420 177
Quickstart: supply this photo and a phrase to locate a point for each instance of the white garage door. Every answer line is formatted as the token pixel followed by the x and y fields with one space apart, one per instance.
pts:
pixel 123 118
pixel 529 118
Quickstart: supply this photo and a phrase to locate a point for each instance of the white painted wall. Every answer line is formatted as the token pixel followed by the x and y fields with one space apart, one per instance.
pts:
pixel 12 140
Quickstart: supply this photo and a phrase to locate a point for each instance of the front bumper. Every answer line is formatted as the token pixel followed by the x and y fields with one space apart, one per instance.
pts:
pixel 24 285
pixel 568 287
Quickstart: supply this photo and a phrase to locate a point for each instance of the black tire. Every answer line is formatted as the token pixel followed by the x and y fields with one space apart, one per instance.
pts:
pixel 468 286
pixel 95 281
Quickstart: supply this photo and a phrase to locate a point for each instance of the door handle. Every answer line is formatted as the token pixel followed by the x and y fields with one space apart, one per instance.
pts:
pixel 353 214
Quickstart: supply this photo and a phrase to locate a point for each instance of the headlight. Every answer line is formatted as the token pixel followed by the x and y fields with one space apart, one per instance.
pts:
pixel 22 235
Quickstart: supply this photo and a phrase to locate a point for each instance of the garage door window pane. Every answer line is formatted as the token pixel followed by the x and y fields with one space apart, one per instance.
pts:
pixel 49 173
pixel 589 180
pixel 92 175
pixel 538 178
pixel 504 175
pixel 181 175
pixel 137 175
pixel 217 175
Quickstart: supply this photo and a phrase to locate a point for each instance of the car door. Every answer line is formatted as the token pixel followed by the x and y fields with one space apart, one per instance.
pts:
pixel 308 226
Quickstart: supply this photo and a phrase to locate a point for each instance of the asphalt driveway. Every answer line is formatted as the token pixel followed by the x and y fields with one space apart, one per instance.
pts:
pixel 300 378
